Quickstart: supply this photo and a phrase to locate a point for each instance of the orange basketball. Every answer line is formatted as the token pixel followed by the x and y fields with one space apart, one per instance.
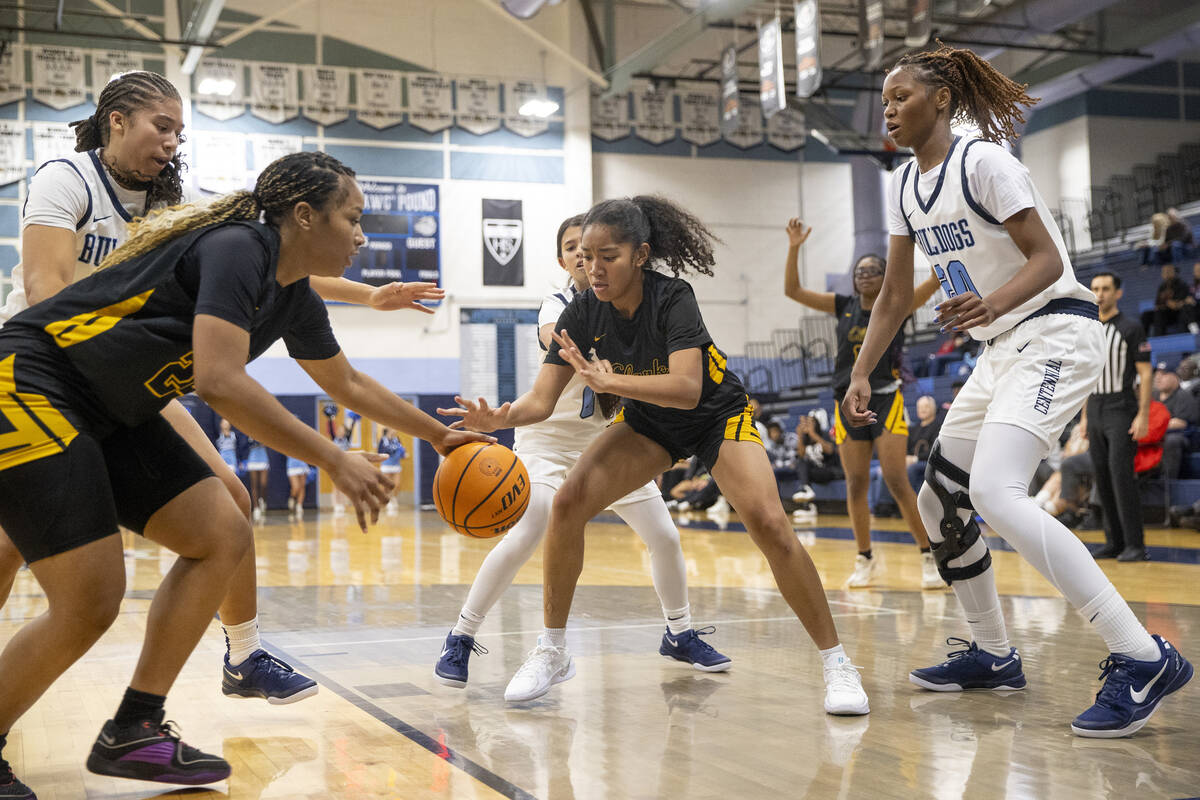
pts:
pixel 481 489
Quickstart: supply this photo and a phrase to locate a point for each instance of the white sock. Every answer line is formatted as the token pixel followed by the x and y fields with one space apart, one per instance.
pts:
pixel 1115 621
pixel 555 637
pixel 241 640
pixel 468 623
pixel 988 630
pixel 679 621
pixel 834 657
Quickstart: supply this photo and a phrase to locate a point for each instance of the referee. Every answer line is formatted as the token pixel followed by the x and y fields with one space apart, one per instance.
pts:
pixel 1114 419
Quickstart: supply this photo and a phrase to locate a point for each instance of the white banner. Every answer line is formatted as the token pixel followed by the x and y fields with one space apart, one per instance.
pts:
pixel 430 102
pixel 266 147
pixel 380 99
pixel 108 64
pixel 12 151
pixel 12 75
pixel 654 111
pixel 326 94
pixel 749 130
pixel 477 102
pixel 219 161
pixel 700 112
pixel 219 88
pixel 772 92
pixel 274 91
pixel 515 95
pixel 58 76
pixel 51 140
pixel 786 130
pixel 610 116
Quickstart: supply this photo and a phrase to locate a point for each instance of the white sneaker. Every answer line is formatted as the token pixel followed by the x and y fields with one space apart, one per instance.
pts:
pixel 339 510
pixel 257 515
pixel 844 694
pixel 545 666
pixel 718 508
pixel 805 514
pixel 865 570
pixel 930 578
pixel 805 494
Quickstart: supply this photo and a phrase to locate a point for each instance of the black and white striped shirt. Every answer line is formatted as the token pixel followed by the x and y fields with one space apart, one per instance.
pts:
pixel 1124 345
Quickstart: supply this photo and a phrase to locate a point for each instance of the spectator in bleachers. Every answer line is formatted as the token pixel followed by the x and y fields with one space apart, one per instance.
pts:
pixel 1158 231
pixel 888 436
pixel 697 491
pixel 955 388
pixel 921 438
pixel 1178 245
pixel 781 450
pixel 1185 413
pixel 816 461
pixel 1064 494
pixel 1171 312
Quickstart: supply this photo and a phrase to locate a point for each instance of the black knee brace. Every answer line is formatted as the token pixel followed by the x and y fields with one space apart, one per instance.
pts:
pixel 957 536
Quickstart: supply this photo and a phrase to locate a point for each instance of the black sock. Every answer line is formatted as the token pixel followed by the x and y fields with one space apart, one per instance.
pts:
pixel 866 553
pixel 925 550
pixel 137 707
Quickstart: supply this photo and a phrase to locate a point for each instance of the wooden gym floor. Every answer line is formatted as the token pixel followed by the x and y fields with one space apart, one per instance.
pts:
pixel 366 616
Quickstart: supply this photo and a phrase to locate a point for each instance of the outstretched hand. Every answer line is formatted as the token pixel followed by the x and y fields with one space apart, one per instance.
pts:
pixel 797 233
pixel 476 416
pixel 396 295
pixel 595 372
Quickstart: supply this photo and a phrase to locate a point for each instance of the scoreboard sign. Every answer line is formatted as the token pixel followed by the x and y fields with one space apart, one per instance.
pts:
pixel 402 223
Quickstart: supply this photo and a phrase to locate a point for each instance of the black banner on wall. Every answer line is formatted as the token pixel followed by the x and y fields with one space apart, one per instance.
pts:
pixel 503 237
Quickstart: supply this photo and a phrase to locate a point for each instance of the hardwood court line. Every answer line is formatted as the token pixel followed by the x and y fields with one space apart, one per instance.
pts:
pixel 418 737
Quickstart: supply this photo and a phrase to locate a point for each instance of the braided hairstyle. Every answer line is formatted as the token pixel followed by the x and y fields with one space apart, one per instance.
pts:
pixel 130 93
pixel 979 93
pixel 676 237
pixel 308 177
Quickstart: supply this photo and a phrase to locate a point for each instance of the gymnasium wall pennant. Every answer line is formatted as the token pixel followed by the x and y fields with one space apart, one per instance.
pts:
pixel 107 64
pixel 274 91
pixel 700 109
pixel 610 116
pixel 224 84
pixel 12 75
pixel 772 93
pixel 477 105
pixel 12 151
pixel 326 94
pixel 749 130
pixel 654 108
pixel 58 76
pixel 503 237
pixel 808 48
pixel 920 23
pixel 516 93
pixel 787 130
pixel 870 32
pixel 380 98
pixel 430 102
pixel 730 98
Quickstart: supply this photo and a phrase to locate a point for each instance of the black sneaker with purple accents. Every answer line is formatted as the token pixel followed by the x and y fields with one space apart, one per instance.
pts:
pixel 10 787
pixel 151 750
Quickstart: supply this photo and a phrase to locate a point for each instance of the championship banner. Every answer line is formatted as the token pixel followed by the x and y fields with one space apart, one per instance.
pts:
pixel 920 23
pixel 870 32
pixel 12 75
pixel 477 103
pixel 266 147
pixel 12 151
pixel 772 93
pixel 108 64
pixel 326 94
pixel 515 95
pixel 729 91
pixel 274 91
pixel 51 140
pixel 749 131
pixel 430 105
pixel 219 88
pixel 610 116
pixel 787 130
pixel 503 236
pixel 808 48
pixel 700 114
pixel 654 111
pixel 58 76
pixel 219 161
pixel 401 221
pixel 380 98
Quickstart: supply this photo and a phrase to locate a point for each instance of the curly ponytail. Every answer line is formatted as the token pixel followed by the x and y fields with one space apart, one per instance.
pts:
pixel 676 237
pixel 979 93
pixel 309 177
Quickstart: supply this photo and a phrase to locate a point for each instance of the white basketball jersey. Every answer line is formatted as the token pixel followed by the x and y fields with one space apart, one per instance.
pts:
pixel 576 418
pixel 76 191
pixel 955 214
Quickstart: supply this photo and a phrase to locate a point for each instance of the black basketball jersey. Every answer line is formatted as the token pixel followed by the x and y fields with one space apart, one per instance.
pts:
pixel 852 321
pixel 128 328
pixel 667 320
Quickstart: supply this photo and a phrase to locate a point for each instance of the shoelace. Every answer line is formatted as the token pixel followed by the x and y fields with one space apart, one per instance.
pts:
pixel 1112 689
pixel 459 655
pixel 843 676
pixel 539 658
pixel 954 641
pixel 171 730
pixel 270 663
pixel 705 647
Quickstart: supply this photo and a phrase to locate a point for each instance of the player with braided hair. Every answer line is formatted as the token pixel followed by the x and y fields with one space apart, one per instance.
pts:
pixel 84 377
pixel 977 217
pixel 638 334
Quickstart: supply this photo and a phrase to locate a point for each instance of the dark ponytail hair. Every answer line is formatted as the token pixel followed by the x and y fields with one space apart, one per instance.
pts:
pixel 570 222
pixel 130 93
pixel 677 238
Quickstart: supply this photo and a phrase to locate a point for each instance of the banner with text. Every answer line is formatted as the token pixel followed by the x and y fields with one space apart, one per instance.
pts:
pixel 808 48
pixel 402 223
pixel 58 76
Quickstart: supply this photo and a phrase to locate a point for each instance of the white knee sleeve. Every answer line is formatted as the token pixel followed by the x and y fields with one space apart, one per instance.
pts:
pixel 511 552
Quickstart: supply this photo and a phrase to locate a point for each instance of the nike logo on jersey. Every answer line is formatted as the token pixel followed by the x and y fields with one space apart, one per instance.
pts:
pixel 598 338
pixel 1022 347
pixel 237 676
pixel 1140 697
pixel 101 219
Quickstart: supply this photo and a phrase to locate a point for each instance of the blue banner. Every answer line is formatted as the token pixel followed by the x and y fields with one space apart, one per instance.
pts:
pixel 402 223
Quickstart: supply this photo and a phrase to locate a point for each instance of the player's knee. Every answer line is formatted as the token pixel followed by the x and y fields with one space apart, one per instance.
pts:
pixel 92 606
pixel 237 490
pixel 857 485
pixel 570 501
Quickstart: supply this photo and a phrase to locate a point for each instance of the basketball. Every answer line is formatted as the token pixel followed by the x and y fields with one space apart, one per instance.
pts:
pixel 481 489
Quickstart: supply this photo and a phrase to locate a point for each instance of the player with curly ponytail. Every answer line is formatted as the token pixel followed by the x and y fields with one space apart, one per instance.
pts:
pixel 637 333
pixel 85 377
pixel 973 210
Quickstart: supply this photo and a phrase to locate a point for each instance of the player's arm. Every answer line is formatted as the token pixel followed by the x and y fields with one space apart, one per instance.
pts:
pixel 532 407
pixel 680 387
pixel 925 291
pixel 821 301
pixel 390 297
pixel 1141 423
pixel 47 259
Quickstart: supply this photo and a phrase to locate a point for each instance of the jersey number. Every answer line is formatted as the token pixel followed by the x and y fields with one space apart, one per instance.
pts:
pixel 954 279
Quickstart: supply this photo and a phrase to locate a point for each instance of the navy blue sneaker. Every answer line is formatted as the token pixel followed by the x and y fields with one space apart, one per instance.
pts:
pixel 1132 692
pixel 689 648
pixel 263 675
pixel 451 667
pixel 971 669
pixel 10 787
